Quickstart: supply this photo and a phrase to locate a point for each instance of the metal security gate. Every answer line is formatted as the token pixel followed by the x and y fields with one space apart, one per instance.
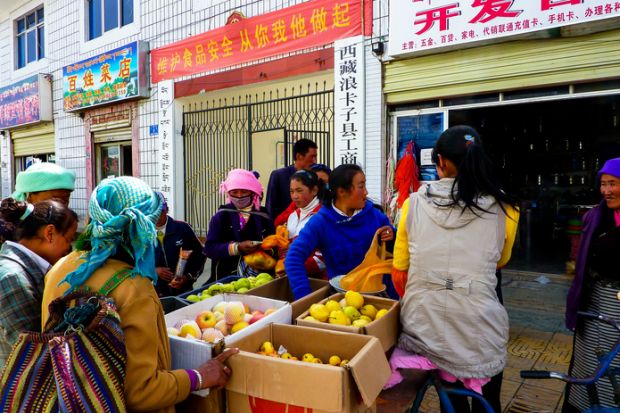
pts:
pixel 218 137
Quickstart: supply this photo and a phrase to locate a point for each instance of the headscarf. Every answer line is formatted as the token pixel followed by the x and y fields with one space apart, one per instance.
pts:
pixel 243 179
pixel 123 212
pixel 43 176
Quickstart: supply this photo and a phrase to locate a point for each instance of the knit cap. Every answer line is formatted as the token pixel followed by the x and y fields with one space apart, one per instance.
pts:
pixel 611 167
pixel 43 176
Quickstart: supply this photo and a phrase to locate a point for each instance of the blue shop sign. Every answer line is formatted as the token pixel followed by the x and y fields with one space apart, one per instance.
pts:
pixel 110 77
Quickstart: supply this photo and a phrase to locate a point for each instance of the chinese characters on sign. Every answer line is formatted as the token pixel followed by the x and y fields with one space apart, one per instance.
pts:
pixel 109 77
pixel 5 162
pixel 424 24
pixel 165 106
pixel 27 101
pixel 306 25
pixel 349 101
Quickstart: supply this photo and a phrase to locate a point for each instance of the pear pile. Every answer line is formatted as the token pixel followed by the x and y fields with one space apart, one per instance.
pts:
pixel 268 349
pixel 350 311
pixel 240 286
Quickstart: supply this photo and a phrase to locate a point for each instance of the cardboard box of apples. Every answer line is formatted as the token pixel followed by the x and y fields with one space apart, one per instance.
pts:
pixel 196 330
pixel 356 313
pixel 262 382
pixel 230 284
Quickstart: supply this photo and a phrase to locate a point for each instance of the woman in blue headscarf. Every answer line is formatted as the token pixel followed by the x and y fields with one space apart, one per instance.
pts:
pixel 121 235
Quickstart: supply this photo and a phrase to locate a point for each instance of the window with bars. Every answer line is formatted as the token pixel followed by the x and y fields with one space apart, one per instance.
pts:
pixel 106 15
pixel 30 34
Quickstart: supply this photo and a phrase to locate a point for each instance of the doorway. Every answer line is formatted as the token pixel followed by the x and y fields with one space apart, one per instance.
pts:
pixel 547 154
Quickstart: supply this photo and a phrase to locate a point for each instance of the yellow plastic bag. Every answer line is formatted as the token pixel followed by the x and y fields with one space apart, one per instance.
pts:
pixel 367 277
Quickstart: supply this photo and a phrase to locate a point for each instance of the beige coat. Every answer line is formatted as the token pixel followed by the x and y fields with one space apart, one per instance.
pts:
pixel 150 385
pixel 450 312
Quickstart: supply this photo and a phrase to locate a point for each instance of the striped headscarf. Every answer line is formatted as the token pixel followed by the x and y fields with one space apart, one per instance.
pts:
pixel 123 212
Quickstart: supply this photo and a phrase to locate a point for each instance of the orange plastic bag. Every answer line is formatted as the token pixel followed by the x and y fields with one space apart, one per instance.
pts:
pixel 367 277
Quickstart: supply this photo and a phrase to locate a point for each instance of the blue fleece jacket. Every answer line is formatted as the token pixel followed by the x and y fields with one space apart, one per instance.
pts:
pixel 342 241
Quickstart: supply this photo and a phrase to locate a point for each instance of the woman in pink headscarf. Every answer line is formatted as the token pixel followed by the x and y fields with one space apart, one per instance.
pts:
pixel 237 224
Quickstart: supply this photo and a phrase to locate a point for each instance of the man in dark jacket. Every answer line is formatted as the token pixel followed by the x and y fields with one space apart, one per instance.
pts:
pixel 174 236
pixel 278 189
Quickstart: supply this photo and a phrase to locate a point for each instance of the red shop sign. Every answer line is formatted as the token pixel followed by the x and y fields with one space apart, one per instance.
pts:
pixel 310 24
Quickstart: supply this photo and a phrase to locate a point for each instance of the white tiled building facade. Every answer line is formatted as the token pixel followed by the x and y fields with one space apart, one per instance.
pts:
pixel 157 22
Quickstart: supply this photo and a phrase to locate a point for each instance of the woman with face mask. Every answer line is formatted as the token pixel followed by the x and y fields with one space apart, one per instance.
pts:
pixel 236 226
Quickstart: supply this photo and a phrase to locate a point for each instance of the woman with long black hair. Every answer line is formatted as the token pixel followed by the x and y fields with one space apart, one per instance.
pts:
pixel 452 236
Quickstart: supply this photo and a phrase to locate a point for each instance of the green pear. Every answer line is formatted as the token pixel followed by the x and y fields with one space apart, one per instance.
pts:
pixel 192 298
pixel 351 312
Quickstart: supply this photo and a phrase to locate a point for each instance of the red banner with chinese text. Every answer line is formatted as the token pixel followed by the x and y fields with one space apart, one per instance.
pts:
pixel 310 24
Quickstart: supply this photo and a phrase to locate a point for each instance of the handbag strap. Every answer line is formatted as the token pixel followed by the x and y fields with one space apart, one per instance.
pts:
pixel 114 281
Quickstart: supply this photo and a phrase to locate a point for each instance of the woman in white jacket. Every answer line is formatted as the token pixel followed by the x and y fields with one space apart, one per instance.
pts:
pixel 452 236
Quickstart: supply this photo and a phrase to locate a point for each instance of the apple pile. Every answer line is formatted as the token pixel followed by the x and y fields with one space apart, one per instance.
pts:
pixel 223 319
pixel 240 286
pixel 350 311
pixel 268 349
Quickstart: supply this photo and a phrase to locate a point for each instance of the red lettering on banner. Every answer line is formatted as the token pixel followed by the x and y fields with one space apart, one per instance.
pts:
pixel 440 14
pixel 105 73
pixel 491 9
pixel 89 79
pixel 549 4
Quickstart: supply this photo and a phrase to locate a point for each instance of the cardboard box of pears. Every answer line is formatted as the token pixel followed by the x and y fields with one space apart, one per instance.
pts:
pixel 235 320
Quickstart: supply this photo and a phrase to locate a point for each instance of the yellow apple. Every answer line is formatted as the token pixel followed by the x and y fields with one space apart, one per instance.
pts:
pixel 319 312
pixel 332 305
pixel 267 347
pixel 334 360
pixel 354 299
pixel 365 317
pixel 369 310
pixel 344 363
pixel 206 319
pixel 359 323
pixel 190 329
pixel 308 357
pixel 351 312
pixel 240 325
pixel 339 317
pixel 310 318
pixel 381 313
pixel 317 360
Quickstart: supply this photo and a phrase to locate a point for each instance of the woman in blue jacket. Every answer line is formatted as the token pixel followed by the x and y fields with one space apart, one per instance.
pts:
pixel 342 230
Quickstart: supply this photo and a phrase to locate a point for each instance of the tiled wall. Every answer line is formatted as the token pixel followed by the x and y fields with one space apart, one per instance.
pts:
pixel 160 22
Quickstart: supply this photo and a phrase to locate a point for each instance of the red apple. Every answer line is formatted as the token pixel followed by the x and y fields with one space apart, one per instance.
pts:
pixel 257 315
pixel 206 319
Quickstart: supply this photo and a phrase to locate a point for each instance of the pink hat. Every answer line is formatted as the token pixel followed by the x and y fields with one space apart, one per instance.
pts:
pixel 242 179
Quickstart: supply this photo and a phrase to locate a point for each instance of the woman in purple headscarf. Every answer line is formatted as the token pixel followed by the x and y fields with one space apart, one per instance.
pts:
pixel 595 289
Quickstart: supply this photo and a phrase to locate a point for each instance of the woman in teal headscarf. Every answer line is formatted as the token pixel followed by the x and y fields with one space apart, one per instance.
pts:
pixel 121 235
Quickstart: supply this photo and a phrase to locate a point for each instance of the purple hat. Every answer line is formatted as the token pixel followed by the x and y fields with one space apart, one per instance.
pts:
pixel 611 167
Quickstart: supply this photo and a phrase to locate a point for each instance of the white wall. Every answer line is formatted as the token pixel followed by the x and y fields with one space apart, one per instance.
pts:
pixel 158 22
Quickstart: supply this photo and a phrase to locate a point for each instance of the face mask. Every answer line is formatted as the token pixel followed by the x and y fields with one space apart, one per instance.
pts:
pixel 242 202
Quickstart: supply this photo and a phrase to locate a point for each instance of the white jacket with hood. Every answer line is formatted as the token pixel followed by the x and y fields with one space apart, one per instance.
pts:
pixel 450 312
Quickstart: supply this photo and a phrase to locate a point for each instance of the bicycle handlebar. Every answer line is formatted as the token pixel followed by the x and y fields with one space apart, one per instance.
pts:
pixel 600 317
pixel 535 374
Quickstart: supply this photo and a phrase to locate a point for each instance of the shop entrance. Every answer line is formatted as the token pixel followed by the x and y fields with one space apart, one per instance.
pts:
pixel 547 154
pixel 254 132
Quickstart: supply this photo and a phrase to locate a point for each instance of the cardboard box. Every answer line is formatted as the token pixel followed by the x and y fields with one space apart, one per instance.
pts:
pixel 263 384
pixel 189 353
pixel 385 329
pixel 280 289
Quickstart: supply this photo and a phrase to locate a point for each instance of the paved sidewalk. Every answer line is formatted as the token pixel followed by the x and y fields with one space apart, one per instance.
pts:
pixel 538 340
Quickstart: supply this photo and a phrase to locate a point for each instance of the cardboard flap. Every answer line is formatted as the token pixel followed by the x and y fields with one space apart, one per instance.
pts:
pixel 370 377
